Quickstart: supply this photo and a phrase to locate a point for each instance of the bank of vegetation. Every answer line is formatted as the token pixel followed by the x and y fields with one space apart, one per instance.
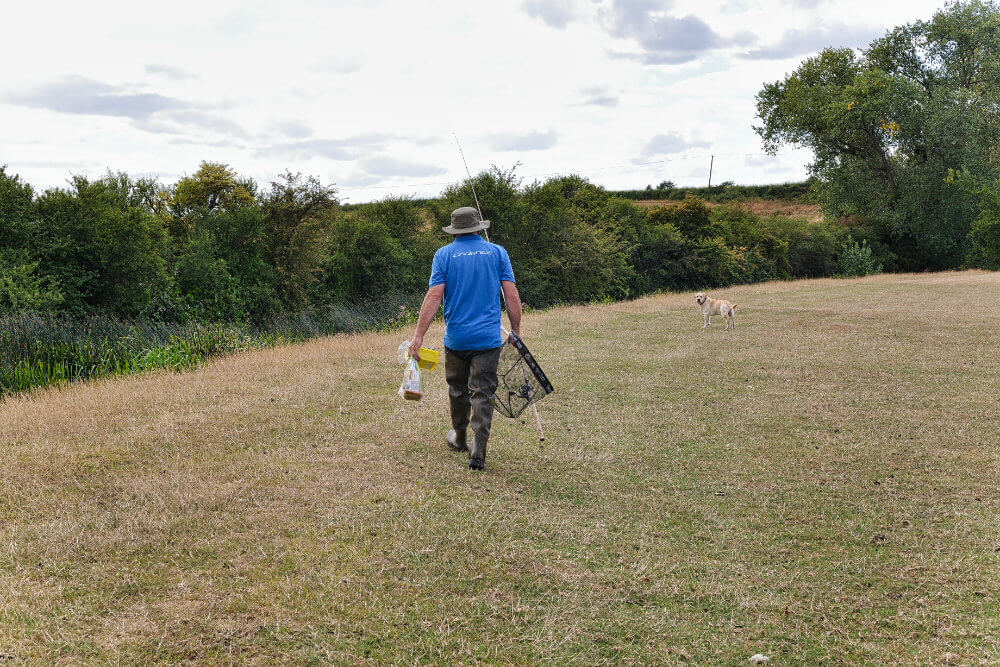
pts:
pixel 118 275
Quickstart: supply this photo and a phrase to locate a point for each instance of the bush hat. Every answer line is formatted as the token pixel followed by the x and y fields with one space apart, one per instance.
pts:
pixel 466 220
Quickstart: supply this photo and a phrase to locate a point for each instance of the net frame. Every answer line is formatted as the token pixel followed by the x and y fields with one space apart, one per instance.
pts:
pixel 521 380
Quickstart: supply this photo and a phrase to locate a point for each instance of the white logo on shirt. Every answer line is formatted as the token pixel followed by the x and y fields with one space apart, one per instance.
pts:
pixel 468 253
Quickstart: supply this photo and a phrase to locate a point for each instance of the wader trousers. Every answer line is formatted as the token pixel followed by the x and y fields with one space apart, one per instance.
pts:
pixel 472 379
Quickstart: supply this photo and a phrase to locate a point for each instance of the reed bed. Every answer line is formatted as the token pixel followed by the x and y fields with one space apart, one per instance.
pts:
pixel 38 350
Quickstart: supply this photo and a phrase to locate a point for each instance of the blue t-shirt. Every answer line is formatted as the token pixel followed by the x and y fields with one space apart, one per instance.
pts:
pixel 471 270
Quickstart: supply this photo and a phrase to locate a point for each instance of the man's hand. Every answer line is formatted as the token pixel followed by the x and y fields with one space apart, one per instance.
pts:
pixel 415 347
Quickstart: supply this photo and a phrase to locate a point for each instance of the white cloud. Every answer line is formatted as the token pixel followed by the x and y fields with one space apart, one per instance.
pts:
pixel 349 148
pixel 599 96
pixel 663 37
pixel 193 121
pixel 670 143
pixel 529 141
pixel 174 73
pixel 79 95
pixel 295 129
pixel 799 42
pixel 555 13
pixel 343 63
pixel 385 165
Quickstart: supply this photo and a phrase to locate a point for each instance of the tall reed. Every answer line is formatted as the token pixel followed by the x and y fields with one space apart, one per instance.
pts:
pixel 37 350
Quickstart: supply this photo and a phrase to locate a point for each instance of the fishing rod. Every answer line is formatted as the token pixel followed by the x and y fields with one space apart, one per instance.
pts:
pixel 486 235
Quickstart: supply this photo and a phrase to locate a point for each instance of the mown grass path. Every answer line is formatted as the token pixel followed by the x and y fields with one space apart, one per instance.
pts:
pixel 820 484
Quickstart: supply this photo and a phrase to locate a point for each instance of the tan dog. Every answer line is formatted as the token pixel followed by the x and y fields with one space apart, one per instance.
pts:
pixel 711 307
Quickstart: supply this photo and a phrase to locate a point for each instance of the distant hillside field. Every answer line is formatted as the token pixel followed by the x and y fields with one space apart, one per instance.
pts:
pixel 818 485
pixel 762 207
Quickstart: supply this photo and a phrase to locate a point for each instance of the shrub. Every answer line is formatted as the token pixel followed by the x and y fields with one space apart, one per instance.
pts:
pixel 855 259
pixel 812 246
pixel 298 217
pixel 21 289
pixel 727 191
pixel 764 254
pixel 663 259
pixel 712 264
pixel 102 246
pixel 691 217
pixel 367 259
pixel 752 266
pixel 563 236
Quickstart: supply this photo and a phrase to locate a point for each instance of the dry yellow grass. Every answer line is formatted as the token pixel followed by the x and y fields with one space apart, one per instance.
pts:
pixel 762 207
pixel 818 485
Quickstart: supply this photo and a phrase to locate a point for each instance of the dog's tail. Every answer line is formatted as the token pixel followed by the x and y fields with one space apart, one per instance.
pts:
pixel 733 306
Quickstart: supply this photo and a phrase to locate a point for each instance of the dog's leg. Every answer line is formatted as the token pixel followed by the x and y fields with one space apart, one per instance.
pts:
pixel 708 320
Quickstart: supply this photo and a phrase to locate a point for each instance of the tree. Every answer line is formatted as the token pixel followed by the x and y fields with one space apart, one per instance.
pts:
pixel 366 260
pixel 205 280
pixel 888 125
pixel 101 245
pixel 559 250
pixel 213 187
pixel 16 209
pixel 298 219
pixel 984 237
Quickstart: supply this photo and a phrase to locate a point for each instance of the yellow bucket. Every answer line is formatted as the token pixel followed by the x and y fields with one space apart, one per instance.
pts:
pixel 427 358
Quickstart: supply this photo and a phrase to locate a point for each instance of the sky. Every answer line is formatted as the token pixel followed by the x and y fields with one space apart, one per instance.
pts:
pixel 370 96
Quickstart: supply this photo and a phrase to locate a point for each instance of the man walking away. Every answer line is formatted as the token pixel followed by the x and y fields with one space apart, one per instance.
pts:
pixel 468 274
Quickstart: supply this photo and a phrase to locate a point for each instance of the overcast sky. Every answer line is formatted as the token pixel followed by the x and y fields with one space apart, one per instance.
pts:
pixel 367 94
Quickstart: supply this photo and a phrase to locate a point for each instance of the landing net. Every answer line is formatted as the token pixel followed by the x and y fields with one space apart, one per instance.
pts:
pixel 522 381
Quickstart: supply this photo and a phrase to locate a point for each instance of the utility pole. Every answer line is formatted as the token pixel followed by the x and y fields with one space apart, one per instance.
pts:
pixel 710 165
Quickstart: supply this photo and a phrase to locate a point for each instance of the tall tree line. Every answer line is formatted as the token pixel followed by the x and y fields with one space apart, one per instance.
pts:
pixel 217 247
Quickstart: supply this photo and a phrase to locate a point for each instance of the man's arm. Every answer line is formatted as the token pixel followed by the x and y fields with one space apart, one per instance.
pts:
pixel 429 308
pixel 513 301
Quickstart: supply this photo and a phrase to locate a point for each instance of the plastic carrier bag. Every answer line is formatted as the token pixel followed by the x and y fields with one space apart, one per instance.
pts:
pixel 410 389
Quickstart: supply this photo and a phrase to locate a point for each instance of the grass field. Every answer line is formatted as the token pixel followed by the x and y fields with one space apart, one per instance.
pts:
pixel 763 207
pixel 818 485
